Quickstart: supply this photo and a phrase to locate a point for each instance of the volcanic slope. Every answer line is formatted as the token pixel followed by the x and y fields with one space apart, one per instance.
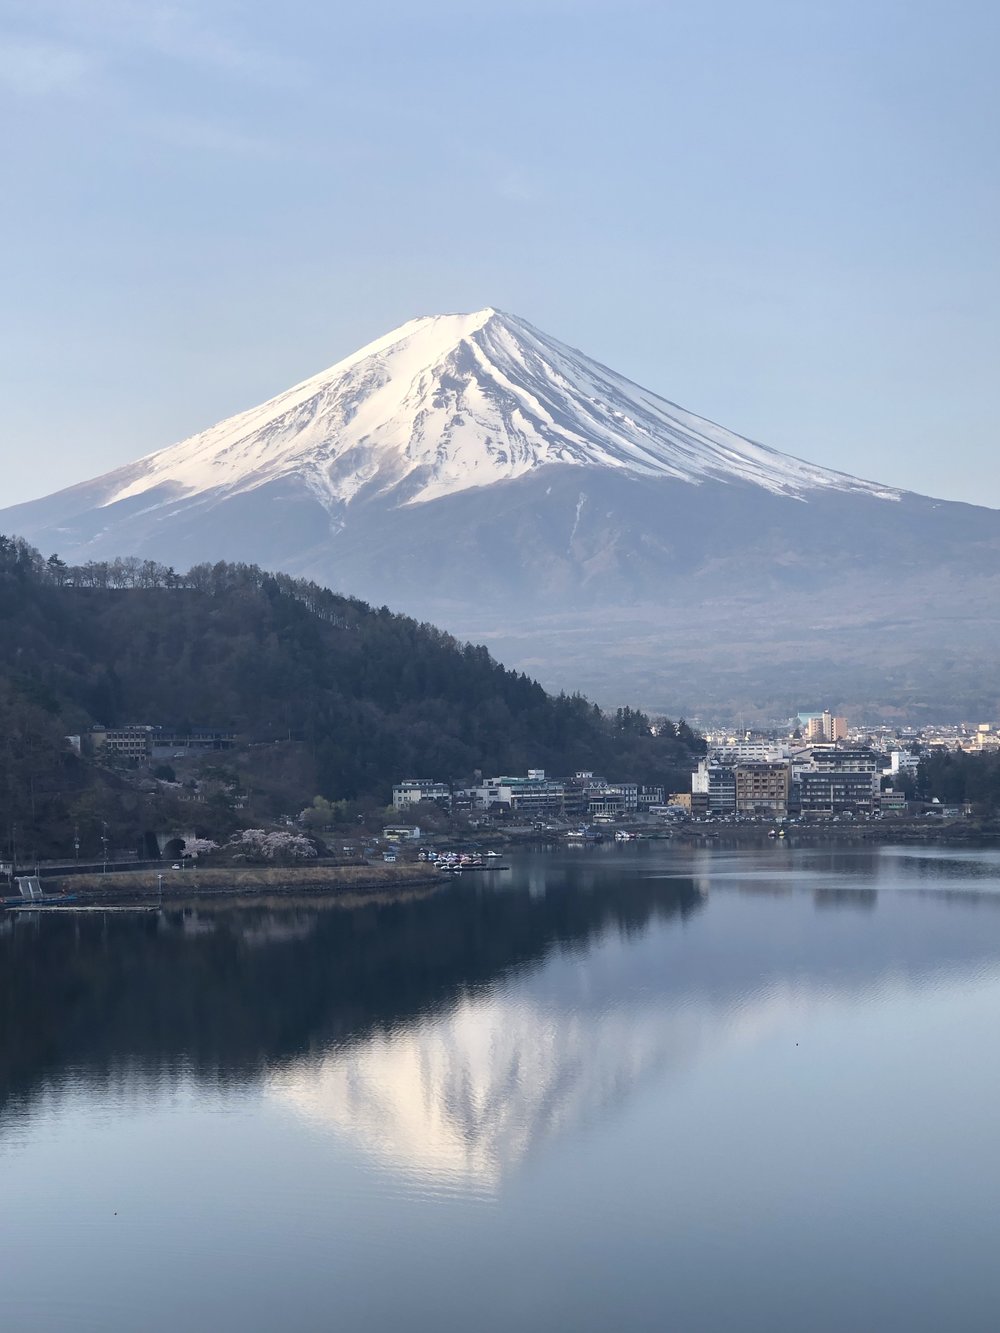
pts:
pixel 472 470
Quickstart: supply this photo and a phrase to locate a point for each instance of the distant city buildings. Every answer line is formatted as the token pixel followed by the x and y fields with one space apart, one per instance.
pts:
pixel 750 779
pixel 536 796
pixel 820 770
pixel 841 773
pixel 819 775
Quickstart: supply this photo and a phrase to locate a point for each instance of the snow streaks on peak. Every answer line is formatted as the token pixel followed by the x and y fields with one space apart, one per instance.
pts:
pixel 449 402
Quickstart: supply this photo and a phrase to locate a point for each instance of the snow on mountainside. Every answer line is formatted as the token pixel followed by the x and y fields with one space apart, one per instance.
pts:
pixel 475 473
pixel 449 402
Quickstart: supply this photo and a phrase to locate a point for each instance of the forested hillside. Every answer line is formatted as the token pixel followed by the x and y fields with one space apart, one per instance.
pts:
pixel 955 776
pixel 340 697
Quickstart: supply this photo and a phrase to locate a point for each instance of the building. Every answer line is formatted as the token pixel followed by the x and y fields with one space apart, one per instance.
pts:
pixel 713 789
pixel 169 743
pixel 800 722
pixel 836 791
pixel 858 759
pixel 752 752
pixel 587 796
pixel 892 803
pixel 618 799
pixel 839 780
pixel 142 743
pixel 411 791
pixel 902 763
pixel 134 744
pixel 823 727
pixel 649 796
pixel 534 795
pixel 762 789
pixel 577 793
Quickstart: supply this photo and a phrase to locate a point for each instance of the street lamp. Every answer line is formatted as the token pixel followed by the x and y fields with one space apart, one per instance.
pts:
pixel 104 840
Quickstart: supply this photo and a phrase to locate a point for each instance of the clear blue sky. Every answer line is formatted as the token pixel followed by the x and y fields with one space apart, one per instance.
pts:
pixel 783 215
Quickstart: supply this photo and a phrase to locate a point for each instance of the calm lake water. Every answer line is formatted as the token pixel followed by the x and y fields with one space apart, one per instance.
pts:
pixel 621 1089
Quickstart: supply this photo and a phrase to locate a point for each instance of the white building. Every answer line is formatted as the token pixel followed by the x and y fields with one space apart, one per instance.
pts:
pixel 901 761
pixel 411 791
pixel 749 752
pixel 531 795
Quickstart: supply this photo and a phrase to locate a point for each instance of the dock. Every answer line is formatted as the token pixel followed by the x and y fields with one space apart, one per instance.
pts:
pixel 467 870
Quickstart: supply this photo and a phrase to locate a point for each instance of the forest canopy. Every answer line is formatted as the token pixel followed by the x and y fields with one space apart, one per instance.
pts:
pixel 366 696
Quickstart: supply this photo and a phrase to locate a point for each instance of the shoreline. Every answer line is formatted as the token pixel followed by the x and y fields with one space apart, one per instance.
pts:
pixel 953 833
pixel 246 883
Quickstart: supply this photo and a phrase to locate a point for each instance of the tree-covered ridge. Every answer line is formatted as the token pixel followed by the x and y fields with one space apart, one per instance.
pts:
pixel 360 695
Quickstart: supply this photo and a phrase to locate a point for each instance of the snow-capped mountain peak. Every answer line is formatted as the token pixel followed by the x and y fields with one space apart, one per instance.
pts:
pixel 471 471
pixel 448 402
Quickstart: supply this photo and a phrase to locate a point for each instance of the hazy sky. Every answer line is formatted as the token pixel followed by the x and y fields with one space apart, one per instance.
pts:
pixel 782 215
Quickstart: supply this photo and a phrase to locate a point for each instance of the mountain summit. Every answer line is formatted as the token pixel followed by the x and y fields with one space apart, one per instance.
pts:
pixel 447 402
pixel 470 469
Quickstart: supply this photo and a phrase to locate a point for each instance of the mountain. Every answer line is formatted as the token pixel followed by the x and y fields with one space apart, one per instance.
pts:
pixel 472 470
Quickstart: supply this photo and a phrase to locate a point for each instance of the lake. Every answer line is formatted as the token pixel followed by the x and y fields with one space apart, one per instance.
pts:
pixel 623 1088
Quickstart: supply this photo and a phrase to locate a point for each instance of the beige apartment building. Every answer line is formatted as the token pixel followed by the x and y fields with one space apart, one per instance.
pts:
pixel 763 789
pixel 826 727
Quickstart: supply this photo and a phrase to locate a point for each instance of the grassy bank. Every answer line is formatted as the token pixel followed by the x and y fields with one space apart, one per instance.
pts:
pixel 241 881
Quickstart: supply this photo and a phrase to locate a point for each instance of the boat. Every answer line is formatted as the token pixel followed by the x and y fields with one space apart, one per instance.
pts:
pixel 584 834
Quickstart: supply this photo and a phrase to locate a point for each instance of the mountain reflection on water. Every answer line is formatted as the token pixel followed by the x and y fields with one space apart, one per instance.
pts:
pixel 463 1097
pixel 231 993
pixel 450 1035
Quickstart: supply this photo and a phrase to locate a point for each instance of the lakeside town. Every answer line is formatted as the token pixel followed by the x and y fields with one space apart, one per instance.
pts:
pixel 818 773
pixel 821 770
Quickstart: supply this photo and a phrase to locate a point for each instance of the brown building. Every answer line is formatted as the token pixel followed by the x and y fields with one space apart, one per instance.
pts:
pixel 826 727
pixel 762 789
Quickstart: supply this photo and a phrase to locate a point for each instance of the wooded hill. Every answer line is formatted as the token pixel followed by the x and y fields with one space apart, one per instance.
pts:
pixel 328 694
